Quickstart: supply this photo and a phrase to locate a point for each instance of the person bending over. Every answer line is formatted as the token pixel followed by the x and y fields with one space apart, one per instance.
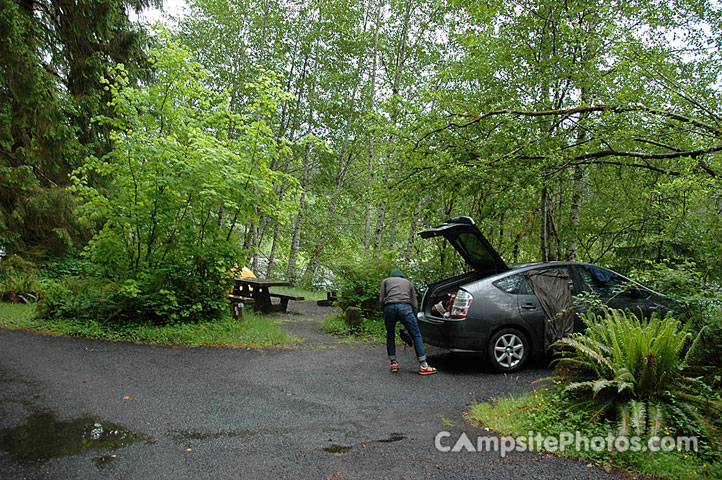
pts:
pixel 398 299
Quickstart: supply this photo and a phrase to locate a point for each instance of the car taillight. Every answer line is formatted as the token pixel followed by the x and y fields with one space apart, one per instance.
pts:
pixel 461 304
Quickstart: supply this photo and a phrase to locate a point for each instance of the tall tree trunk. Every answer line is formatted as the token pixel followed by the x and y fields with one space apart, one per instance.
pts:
pixel 372 95
pixel 395 90
pixel 577 186
pixel 296 239
pixel 412 232
pixel 291 269
pixel 379 230
pixel 544 224
pixel 344 162
pixel 254 241
pixel 577 189
pixel 292 135
pixel 392 229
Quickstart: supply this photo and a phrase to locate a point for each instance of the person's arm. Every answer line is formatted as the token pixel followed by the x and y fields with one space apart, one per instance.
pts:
pixel 414 302
pixel 382 293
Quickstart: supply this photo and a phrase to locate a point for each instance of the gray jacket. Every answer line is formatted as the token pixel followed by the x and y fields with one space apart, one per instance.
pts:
pixel 398 290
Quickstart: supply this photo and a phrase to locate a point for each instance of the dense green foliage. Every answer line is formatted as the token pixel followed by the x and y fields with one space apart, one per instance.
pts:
pixel 360 281
pixel 631 371
pixel 175 187
pixel 53 54
pixel 370 329
pixel 299 138
pixel 580 131
pixel 360 285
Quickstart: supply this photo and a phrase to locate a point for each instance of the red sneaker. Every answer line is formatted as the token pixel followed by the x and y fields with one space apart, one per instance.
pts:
pixel 394 367
pixel 427 370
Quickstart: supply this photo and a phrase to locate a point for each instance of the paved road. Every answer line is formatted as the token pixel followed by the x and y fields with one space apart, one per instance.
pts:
pixel 325 410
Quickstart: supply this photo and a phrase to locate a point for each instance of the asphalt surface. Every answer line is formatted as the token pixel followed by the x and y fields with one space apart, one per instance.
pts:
pixel 325 410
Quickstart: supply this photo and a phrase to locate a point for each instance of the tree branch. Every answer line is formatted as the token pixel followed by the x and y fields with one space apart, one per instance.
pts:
pixel 566 112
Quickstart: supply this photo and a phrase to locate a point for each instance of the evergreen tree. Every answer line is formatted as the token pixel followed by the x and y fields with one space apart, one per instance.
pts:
pixel 52 56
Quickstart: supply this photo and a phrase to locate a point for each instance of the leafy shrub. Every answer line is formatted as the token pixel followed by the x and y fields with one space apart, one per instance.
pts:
pixel 16 264
pixel 360 281
pixel 26 287
pixel 703 298
pixel 160 298
pixel 631 371
pixel 66 266
pixel 422 274
pixel 683 282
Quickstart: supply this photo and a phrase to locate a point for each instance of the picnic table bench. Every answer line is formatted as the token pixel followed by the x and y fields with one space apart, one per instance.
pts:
pixel 238 304
pixel 284 298
pixel 257 290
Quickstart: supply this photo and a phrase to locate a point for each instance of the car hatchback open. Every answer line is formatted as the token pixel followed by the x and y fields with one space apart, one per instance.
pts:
pixel 499 311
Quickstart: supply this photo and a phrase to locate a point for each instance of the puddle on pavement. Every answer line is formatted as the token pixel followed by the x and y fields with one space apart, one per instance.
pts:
pixel 337 449
pixel 342 450
pixel 45 437
pixel 395 437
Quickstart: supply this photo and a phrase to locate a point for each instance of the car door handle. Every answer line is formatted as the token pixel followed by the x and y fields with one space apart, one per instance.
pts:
pixel 528 306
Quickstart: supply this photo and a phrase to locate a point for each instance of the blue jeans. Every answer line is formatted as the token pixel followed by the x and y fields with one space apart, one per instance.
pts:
pixel 402 312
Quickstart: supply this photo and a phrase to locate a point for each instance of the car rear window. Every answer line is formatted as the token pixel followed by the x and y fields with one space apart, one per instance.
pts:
pixel 475 250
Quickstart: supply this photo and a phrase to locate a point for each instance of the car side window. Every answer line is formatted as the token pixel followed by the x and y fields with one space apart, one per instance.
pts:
pixel 511 284
pixel 570 280
pixel 518 284
pixel 603 282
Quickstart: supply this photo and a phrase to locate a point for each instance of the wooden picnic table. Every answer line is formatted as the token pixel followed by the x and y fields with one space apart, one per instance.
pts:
pixel 257 289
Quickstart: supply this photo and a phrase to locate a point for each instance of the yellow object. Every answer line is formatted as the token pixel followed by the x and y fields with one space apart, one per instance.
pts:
pixel 246 273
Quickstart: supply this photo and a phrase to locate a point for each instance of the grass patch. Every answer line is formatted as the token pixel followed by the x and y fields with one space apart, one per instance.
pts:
pixel 254 331
pixel 539 412
pixel 16 313
pixel 370 330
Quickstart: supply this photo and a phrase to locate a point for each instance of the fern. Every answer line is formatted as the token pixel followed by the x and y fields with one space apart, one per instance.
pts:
pixel 630 371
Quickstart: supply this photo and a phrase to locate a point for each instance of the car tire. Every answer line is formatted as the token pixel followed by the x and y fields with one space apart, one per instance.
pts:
pixel 508 350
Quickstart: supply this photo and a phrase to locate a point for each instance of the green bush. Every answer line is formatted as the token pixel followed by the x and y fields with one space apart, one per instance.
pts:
pixel 163 297
pixel 16 264
pixel 66 266
pixel 631 371
pixel 683 282
pixel 359 283
pixel 26 287
pixel 686 284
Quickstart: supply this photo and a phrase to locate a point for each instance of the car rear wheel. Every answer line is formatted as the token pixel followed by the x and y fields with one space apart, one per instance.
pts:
pixel 508 350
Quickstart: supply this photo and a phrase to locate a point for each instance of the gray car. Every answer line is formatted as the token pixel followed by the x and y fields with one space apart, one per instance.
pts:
pixel 493 310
